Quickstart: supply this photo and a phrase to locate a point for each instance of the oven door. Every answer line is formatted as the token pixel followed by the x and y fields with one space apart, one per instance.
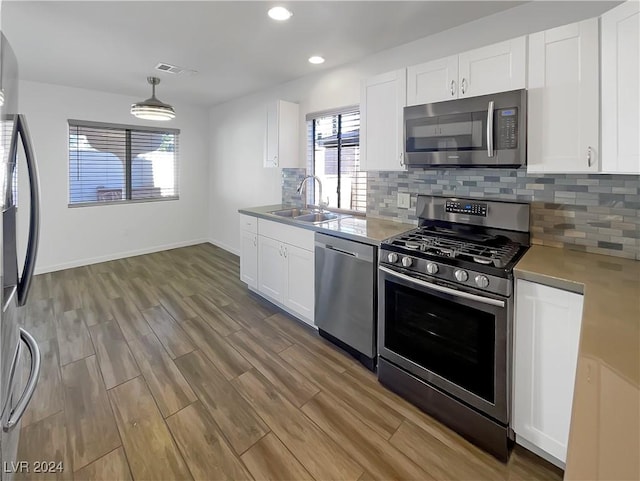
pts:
pixel 456 341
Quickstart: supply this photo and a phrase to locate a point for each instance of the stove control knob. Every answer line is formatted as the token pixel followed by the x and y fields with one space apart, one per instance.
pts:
pixel 432 268
pixel 407 261
pixel 461 275
pixel 393 257
pixel 482 281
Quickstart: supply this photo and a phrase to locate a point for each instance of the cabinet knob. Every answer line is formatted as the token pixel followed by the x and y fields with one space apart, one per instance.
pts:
pixel 453 88
pixel 401 159
pixel 589 156
pixel 285 251
pixel 255 240
pixel 463 85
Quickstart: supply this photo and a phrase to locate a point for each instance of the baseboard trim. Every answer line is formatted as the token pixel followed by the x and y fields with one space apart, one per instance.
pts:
pixel 539 452
pixel 117 255
pixel 224 246
pixel 307 322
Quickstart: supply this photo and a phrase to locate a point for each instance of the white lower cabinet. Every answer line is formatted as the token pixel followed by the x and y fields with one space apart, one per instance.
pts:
pixel 299 289
pixel 547 332
pixel 249 250
pixel 285 267
pixel 271 268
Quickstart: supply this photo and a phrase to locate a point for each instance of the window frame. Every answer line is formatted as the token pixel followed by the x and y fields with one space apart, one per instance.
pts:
pixel 127 128
pixel 311 155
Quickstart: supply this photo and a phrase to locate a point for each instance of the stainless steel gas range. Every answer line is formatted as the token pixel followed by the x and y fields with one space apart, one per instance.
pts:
pixel 445 313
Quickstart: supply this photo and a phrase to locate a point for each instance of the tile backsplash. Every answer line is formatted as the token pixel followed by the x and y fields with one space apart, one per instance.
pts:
pixel 291 179
pixel 589 212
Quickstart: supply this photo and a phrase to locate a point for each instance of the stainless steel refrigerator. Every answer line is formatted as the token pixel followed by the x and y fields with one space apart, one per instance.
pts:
pixel 17 346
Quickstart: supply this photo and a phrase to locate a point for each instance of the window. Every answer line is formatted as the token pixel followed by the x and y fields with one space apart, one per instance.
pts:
pixel 121 163
pixel 334 146
pixel 7 131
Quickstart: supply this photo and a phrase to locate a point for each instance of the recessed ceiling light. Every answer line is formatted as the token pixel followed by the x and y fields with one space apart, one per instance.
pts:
pixel 316 59
pixel 279 13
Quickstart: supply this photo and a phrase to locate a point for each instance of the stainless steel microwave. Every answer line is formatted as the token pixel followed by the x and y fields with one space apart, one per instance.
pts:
pixel 489 130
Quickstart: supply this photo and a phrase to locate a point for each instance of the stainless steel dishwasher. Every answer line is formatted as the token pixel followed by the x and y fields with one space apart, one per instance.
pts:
pixel 345 303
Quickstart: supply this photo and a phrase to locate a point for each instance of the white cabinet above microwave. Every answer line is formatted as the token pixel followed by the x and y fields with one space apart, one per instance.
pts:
pixel 495 68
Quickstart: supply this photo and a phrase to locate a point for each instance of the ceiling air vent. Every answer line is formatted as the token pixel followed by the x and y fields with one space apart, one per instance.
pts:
pixel 165 67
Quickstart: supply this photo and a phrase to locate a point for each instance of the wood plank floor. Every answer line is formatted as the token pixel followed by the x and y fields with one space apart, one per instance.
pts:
pixel 165 366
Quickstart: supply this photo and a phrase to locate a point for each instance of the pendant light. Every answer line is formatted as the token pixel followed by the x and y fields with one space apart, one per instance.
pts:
pixel 152 108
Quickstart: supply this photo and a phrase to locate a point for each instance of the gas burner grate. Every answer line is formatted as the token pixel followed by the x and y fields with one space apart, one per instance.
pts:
pixel 496 251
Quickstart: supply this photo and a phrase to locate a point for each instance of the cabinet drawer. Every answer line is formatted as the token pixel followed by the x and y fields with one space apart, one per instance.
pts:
pixel 295 236
pixel 249 223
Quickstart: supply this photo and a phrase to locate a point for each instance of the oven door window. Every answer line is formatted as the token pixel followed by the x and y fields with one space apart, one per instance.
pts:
pixel 454 341
pixel 457 132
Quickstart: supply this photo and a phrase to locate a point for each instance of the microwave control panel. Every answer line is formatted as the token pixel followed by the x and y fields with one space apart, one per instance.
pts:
pixel 507 129
pixel 470 208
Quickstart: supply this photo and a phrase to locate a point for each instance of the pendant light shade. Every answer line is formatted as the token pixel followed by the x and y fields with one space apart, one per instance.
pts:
pixel 152 108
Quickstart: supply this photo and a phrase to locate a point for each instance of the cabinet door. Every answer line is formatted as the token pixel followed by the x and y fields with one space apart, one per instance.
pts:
pixel 299 292
pixel 288 147
pixel 547 332
pixel 495 68
pixel 563 99
pixel 433 81
pixel 249 258
pixel 281 139
pixel 620 93
pixel 271 137
pixel 271 268
pixel 381 121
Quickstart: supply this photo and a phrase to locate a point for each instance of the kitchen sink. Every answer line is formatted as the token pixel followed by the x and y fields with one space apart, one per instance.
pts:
pixel 291 212
pixel 317 217
pixel 307 215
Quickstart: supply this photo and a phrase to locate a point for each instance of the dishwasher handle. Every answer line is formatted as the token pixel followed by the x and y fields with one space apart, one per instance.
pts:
pixel 340 251
pixel 357 250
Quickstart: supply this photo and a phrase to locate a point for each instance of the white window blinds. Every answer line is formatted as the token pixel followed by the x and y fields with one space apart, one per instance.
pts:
pixel 120 163
pixel 334 140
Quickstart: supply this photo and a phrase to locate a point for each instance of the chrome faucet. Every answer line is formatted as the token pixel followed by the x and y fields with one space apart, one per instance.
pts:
pixel 301 188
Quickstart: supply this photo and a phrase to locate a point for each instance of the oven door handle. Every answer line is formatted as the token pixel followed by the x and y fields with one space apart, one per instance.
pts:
pixel 446 290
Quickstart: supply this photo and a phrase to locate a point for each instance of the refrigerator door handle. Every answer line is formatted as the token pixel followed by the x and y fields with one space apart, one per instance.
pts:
pixel 24 284
pixel 21 406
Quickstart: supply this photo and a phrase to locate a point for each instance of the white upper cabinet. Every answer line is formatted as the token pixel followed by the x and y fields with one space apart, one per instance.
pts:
pixel 433 81
pixel 496 68
pixel 486 70
pixel 620 89
pixel 281 138
pixel 382 99
pixel 563 130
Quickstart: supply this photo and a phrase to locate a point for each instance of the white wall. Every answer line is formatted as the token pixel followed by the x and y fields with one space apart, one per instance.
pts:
pixel 83 235
pixel 236 137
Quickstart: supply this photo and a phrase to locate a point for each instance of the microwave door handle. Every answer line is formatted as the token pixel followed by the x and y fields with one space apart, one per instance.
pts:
pixel 24 284
pixel 490 129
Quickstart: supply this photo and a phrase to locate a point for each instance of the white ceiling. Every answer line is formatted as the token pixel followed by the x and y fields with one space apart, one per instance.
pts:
pixel 114 45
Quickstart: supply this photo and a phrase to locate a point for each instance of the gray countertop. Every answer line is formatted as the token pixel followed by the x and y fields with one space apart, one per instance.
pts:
pixel 367 230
